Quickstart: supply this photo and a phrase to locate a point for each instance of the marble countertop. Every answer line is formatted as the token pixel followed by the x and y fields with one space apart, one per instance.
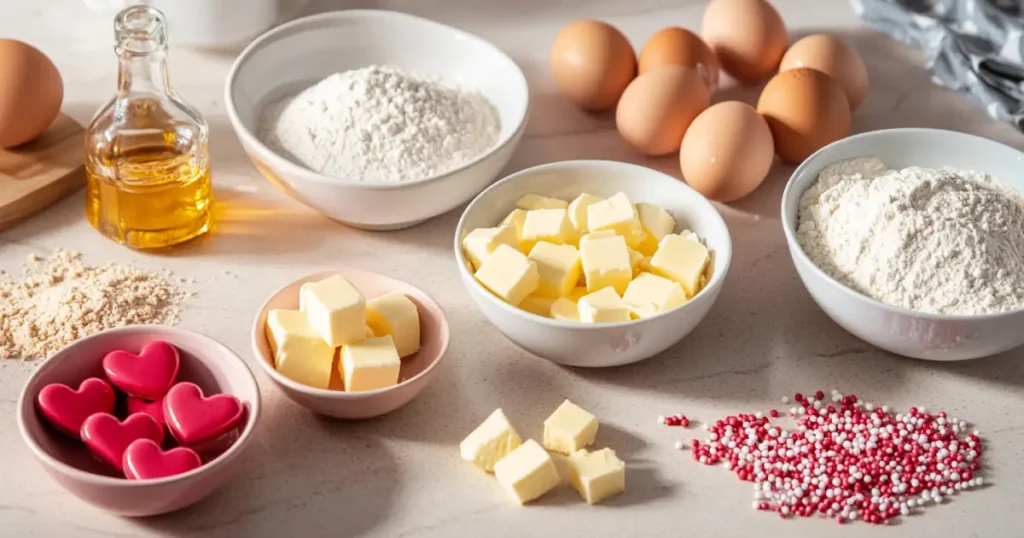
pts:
pixel 400 475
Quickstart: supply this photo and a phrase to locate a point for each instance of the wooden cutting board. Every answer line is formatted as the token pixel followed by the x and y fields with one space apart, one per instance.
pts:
pixel 37 174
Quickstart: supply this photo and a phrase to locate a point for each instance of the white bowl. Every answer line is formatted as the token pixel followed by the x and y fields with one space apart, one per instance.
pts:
pixel 898 330
pixel 298 54
pixel 606 344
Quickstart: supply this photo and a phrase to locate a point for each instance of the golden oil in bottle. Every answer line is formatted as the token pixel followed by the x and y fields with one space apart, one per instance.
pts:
pixel 147 162
pixel 158 197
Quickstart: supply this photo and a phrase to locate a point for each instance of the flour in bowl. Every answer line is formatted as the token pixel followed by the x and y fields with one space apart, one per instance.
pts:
pixel 381 124
pixel 932 240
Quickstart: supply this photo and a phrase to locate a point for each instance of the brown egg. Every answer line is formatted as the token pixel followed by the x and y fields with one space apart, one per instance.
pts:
pixel 727 151
pixel 748 36
pixel 834 58
pixel 31 92
pixel 658 106
pixel 679 46
pixel 592 63
pixel 806 110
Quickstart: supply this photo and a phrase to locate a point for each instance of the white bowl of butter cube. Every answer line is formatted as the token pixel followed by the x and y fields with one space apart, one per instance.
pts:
pixel 349 343
pixel 592 263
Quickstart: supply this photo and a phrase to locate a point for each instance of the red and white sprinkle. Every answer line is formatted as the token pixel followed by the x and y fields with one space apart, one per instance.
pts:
pixel 850 461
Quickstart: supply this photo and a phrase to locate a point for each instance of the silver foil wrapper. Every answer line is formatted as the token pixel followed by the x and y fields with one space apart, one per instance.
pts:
pixel 971 46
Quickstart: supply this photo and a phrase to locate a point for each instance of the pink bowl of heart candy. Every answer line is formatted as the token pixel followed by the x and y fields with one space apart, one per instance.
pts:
pixel 140 420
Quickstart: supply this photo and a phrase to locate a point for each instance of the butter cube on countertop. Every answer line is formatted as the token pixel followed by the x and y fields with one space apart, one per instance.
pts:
pixel 569 429
pixel 335 309
pixel 531 202
pixel 606 262
pixel 481 242
pixel 528 472
pixel 551 225
pixel 300 354
pixel 578 211
pixel 509 274
pixel 619 215
pixel 597 475
pixel 558 266
pixel 537 304
pixel 370 364
pixel 565 310
pixel 603 306
pixel 396 315
pixel 491 441
pixel 648 295
pixel 681 259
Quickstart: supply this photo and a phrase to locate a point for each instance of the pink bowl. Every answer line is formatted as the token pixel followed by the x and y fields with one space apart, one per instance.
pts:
pixel 417 370
pixel 204 361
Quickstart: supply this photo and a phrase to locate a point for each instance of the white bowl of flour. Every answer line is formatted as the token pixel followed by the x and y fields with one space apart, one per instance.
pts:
pixel 913 240
pixel 377 119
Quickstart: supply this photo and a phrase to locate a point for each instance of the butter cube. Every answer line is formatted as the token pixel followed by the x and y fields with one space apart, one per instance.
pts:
pixel 558 266
pixel 618 214
pixel 516 219
pixel 396 315
pixel 578 293
pixel 551 225
pixel 537 304
pixel 606 262
pixel 481 242
pixel 597 475
pixel 509 274
pixel 335 309
pixel 371 364
pixel 681 259
pixel 531 202
pixel 597 235
pixel 299 352
pixel 655 220
pixel 569 429
pixel 648 295
pixel 528 472
pixel 491 441
pixel 565 310
pixel 603 306
pixel 636 261
pixel 578 211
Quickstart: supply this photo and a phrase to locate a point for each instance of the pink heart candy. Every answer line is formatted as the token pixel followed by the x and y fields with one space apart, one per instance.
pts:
pixel 145 460
pixel 154 409
pixel 67 408
pixel 148 375
pixel 193 418
pixel 107 438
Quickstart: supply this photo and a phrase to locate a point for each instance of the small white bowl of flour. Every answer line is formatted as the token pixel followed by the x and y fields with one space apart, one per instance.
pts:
pixel 913 240
pixel 377 119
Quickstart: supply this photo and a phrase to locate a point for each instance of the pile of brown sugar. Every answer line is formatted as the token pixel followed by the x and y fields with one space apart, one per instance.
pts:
pixel 60 299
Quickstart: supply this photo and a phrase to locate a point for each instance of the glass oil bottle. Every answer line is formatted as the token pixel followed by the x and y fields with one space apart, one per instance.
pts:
pixel 147 159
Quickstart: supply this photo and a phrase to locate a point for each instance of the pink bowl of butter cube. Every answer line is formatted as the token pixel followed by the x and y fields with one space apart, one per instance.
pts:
pixel 635 281
pixel 349 343
pixel 206 366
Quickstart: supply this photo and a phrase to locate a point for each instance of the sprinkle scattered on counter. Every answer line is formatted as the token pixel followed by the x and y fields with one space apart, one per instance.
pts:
pixel 677 419
pixel 846 460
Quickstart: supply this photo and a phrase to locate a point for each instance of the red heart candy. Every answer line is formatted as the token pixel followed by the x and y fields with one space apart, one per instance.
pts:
pixel 193 418
pixel 153 409
pixel 145 460
pixel 148 375
pixel 67 408
pixel 107 438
